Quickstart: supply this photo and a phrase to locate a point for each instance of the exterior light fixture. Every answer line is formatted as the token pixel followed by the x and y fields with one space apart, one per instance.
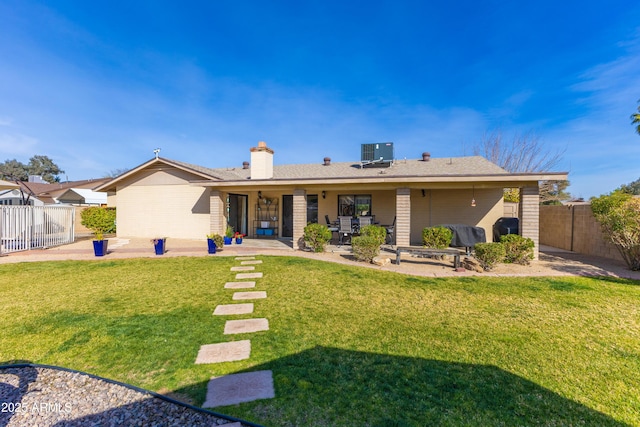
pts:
pixel 324 194
pixel 259 194
pixel 473 198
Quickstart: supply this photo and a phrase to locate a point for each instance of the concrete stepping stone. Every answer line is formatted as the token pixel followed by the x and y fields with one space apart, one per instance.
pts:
pixel 243 268
pixel 224 352
pixel 239 285
pixel 249 295
pixel 238 388
pixel 248 276
pixel 245 326
pixel 251 262
pixel 230 309
pixel 244 258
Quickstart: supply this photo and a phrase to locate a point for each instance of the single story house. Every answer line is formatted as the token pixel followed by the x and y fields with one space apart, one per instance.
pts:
pixel 169 198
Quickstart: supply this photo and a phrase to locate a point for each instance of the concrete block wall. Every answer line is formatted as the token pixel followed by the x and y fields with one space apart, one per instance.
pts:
pixel 574 228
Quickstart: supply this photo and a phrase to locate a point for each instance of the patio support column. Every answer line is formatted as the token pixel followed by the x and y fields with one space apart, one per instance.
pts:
pixel 217 222
pixel 299 217
pixel 530 216
pixel 403 217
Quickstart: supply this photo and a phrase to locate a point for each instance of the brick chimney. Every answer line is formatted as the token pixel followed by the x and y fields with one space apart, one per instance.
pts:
pixel 261 161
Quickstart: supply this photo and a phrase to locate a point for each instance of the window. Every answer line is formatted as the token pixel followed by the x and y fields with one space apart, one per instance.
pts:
pixel 312 208
pixel 354 205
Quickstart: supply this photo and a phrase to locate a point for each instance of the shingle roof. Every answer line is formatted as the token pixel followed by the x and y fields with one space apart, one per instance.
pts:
pixel 455 166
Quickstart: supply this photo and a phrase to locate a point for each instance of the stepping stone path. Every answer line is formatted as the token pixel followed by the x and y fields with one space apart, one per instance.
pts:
pixel 238 388
pixel 239 285
pixel 243 268
pixel 246 325
pixel 224 352
pixel 225 310
pixel 248 386
pixel 249 295
pixel 248 276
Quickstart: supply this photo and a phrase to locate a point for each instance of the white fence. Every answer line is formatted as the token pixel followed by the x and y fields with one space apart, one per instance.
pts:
pixel 30 227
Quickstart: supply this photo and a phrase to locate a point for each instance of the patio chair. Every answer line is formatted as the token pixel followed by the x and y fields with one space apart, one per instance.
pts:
pixel 332 228
pixel 365 220
pixel 345 228
pixel 390 229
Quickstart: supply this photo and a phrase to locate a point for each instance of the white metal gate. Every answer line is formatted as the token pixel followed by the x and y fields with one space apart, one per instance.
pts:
pixel 30 227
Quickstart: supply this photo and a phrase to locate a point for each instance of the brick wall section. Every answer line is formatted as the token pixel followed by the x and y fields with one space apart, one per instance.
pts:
pixel 216 213
pixel 299 216
pixel 574 228
pixel 403 217
pixel 530 216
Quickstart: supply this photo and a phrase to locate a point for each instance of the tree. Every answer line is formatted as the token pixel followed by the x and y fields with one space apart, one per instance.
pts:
pixel 44 167
pixel 619 215
pixel 524 153
pixel 13 170
pixel 631 188
pixel 635 119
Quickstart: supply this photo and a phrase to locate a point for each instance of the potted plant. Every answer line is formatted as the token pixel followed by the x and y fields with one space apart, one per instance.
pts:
pixel 228 235
pixel 238 236
pixel 100 244
pixel 214 241
pixel 160 245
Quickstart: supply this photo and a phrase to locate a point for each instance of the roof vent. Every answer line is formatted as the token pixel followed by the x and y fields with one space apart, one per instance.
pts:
pixel 426 156
pixel 380 154
pixel 245 165
pixel 327 161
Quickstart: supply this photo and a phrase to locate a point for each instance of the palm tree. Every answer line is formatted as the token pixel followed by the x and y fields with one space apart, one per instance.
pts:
pixel 635 119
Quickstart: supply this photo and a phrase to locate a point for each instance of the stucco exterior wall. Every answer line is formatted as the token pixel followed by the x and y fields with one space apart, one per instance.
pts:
pixel 161 203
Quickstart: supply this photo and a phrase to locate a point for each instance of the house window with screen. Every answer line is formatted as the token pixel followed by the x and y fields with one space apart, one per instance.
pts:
pixel 354 205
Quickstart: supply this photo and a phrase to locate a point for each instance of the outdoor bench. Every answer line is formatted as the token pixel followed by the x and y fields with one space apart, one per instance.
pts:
pixel 428 252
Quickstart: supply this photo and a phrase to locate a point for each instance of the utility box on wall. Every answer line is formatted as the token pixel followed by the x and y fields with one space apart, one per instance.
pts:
pixel 380 154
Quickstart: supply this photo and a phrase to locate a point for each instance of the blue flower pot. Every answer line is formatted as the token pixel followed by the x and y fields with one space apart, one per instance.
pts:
pixel 228 240
pixel 100 247
pixel 238 240
pixel 160 246
pixel 211 246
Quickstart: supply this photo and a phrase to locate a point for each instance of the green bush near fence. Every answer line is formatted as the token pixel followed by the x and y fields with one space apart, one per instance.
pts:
pixel 100 220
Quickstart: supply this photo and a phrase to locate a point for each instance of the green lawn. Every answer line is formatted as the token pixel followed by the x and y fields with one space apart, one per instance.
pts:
pixel 348 346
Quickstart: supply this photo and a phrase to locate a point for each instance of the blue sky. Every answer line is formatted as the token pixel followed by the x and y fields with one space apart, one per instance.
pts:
pixel 98 85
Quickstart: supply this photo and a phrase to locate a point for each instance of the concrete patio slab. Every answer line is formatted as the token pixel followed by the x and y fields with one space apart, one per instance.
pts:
pixel 245 326
pixel 238 388
pixel 248 276
pixel 251 262
pixel 243 268
pixel 249 295
pixel 244 258
pixel 239 285
pixel 224 352
pixel 230 309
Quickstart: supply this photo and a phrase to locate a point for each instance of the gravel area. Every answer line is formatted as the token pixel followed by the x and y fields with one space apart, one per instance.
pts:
pixel 45 397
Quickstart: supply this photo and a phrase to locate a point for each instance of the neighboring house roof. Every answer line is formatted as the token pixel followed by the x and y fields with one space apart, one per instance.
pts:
pixel 435 169
pixel 83 196
pixel 6 185
pixel 49 193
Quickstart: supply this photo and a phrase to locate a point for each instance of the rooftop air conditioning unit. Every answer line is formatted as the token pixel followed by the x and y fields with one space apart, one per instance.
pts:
pixel 380 154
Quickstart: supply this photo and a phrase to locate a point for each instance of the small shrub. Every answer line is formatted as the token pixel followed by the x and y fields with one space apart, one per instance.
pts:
pixel 316 236
pixel 365 248
pixel 375 231
pixel 98 219
pixel 217 239
pixel 436 237
pixel 489 254
pixel 518 249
